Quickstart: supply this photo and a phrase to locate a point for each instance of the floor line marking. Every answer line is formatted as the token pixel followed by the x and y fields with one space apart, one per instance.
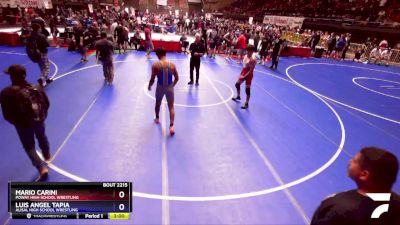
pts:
pixel 164 162
pixel 7 221
pixel 302 118
pixel 367 122
pixel 65 173
pixel 265 159
pixel 241 195
pixel 333 100
pixel 72 131
pixel 55 65
pixel 372 90
pixel 12 53
pixel 194 106
pixel 344 65
pixel 74 71
pixel 55 71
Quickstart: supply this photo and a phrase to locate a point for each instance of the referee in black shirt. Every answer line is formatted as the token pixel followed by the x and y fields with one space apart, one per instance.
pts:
pixel 197 51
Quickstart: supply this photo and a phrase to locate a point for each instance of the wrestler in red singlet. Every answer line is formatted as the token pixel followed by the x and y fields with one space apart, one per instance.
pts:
pixel 246 75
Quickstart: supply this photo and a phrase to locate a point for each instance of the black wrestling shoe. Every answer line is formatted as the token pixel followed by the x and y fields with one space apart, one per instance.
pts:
pixel 190 82
pixel 48 81
pixel 42 82
pixel 245 106
pixel 236 99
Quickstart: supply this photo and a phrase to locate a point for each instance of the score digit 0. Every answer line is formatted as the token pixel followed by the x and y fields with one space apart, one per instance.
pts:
pixel 121 207
pixel 121 194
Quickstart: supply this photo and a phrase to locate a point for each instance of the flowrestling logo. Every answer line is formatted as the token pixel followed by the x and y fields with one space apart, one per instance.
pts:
pixel 380 197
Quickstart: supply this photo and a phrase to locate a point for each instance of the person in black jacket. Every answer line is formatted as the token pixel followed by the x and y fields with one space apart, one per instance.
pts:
pixel 184 43
pixel 374 171
pixel 42 45
pixel 265 45
pixel 276 52
pixel 28 123
pixel 120 36
pixel 39 20
pixel 346 47
pixel 331 44
pixel 79 36
pixel 25 33
pixel 257 39
pixel 315 40
pixel 54 30
pixel 104 54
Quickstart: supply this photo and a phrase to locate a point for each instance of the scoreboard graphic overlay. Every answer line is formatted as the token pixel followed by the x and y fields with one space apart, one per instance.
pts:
pixel 71 200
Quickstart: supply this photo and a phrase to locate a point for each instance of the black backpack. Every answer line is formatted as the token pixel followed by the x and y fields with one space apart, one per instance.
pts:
pixel 32 104
pixel 32 50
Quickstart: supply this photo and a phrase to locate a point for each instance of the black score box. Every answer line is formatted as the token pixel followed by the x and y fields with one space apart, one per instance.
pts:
pixel 85 216
pixel 36 216
pixel 93 216
pixel 57 199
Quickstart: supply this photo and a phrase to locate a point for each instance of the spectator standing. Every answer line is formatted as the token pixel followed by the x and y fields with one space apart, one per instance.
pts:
pixel 241 46
pixel 148 40
pixel 346 47
pixel 37 51
pixel 25 106
pixel 54 30
pixel 104 52
pixel 276 52
pixel 136 39
pixel 184 43
pixel 25 32
pixel 79 36
pixel 120 36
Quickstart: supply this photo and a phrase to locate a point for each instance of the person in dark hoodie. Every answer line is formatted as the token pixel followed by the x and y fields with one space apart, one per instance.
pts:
pixel 25 106
pixel 42 23
pixel 39 41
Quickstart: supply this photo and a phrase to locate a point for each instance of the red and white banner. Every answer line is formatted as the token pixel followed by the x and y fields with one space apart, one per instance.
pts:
pixel 47 4
pixel 284 21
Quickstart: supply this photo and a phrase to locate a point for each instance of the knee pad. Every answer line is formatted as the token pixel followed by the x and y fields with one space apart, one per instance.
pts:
pixel 247 90
pixel 237 85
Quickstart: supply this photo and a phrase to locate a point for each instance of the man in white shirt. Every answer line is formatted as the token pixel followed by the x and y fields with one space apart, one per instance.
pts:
pixel 380 56
pixel 374 55
pixel 113 26
pixel 187 24
pixel 385 56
